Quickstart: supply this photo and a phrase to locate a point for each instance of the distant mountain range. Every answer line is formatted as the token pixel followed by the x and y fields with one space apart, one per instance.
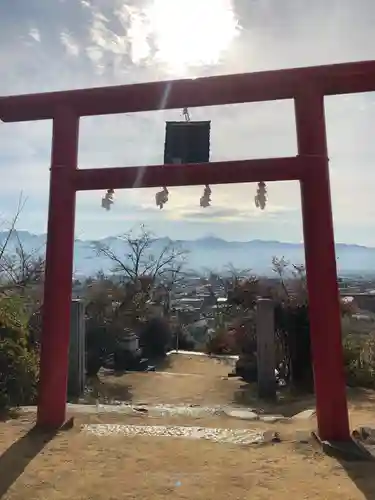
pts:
pixel 209 253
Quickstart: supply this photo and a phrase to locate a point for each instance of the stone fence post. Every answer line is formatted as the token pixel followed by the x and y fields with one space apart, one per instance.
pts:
pixel 77 350
pixel 265 331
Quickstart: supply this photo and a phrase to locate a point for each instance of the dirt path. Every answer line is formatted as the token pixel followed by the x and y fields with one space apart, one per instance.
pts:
pixel 80 466
pixel 196 380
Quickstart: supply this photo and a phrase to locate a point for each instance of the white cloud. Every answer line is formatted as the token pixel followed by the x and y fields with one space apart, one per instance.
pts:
pixel 110 43
pixel 70 45
pixel 137 31
pixel 212 24
pixel 35 34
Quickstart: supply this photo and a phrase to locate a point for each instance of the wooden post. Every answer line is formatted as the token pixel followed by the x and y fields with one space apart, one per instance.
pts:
pixel 265 330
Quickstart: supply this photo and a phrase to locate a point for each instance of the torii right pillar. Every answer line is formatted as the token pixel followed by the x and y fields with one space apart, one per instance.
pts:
pixel 324 302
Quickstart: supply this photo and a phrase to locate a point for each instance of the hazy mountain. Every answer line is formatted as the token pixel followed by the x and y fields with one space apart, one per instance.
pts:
pixel 209 252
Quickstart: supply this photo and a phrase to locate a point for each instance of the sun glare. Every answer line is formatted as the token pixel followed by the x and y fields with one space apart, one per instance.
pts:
pixel 191 32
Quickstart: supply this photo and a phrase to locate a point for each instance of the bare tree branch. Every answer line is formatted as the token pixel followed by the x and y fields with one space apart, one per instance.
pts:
pixel 13 222
pixel 145 268
pixel 139 260
pixel 279 266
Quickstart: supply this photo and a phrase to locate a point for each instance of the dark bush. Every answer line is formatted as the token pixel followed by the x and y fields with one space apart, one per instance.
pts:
pixel 293 329
pixel 100 344
pixel 155 337
pixel 182 339
pixel 220 342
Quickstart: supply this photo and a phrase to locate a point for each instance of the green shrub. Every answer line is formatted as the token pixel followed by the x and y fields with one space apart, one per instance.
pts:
pixel 18 360
pixel 18 375
pixel 359 360
pixel 13 320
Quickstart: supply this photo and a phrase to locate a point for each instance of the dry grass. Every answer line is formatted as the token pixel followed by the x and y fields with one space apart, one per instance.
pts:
pixel 154 388
pixel 185 379
pixel 199 365
pixel 195 380
pixel 81 466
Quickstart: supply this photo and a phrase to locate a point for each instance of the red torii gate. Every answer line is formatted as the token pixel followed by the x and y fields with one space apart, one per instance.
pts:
pixel 307 86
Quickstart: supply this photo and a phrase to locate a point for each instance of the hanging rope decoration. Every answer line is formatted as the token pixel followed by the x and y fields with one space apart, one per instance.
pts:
pixel 108 199
pixel 261 196
pixel 186 114
pixel 161 197
pixel 205 200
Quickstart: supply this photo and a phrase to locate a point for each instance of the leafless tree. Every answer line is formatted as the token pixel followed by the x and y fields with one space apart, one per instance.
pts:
pixel 11 227
pixel 21 268
pixel 21 272
pixel 228 282
pixel 139 262
pixel 145 269
pixel 292 279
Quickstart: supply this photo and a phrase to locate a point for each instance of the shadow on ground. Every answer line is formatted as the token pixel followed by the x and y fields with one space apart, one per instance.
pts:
pixel 109 386
pixel 9 415
pixel 361 399
pixel 287 403
pixel 290 402
pixel 230 362
pixel 17 457
pixel 107 390
pixel 363 476
pixel 161 363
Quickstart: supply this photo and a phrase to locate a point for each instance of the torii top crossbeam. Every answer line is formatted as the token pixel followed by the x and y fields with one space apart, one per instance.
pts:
pixel 208 91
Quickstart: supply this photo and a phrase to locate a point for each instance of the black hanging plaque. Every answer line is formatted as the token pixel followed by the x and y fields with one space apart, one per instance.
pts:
pixel 187 142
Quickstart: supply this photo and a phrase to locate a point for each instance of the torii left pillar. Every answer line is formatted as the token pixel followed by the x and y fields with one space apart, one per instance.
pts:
pixel 59 271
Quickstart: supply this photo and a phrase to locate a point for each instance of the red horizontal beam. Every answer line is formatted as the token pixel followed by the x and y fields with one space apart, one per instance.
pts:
pixel 227 172
pixel 216 90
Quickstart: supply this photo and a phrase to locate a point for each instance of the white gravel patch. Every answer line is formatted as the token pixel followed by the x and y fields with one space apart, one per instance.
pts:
pixel 232 436
pixel 232 357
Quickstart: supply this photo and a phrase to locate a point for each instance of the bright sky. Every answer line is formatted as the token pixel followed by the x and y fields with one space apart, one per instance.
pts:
pixel 64 44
